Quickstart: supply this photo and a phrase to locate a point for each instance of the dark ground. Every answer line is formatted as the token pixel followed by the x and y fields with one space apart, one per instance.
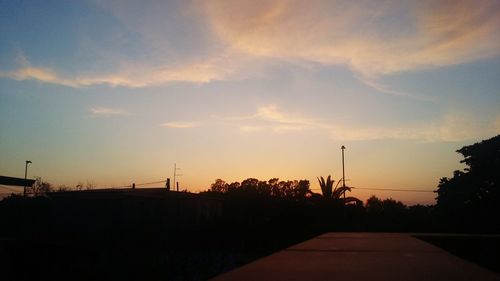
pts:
pixel 483 250
pixel 43 239
pixel 347 256
pixel 179 259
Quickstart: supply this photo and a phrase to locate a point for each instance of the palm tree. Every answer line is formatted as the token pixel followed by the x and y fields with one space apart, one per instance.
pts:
pixel 326 186
pixel 337 193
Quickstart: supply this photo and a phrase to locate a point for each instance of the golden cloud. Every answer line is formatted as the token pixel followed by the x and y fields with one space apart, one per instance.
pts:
pixel 450 127
pixel 107 111
pixel 180 124
pixel 373 37
pixel 133 76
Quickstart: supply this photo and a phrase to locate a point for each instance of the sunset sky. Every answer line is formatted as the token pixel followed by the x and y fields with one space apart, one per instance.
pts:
pixel 115 92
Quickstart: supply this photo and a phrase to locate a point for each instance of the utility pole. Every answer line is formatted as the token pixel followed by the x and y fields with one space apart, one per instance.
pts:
pixel 343 169
pixel 176 175
pixel 26 175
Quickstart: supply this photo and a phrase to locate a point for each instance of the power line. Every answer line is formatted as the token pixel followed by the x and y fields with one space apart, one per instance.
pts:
pixel 387 189
pixel 146 183
pixel 394 189
pixel 139 184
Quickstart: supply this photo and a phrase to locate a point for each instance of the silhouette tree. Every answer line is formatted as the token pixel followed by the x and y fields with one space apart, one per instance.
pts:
pixel 63 188
pixel 336 193
pixel 326 186
pixel 40 187
pixel 386 215
pixel 253 188
pixel 374 205
pixel 89 185
pixel 219 186
pixel 393 207
pixel 473 195
pixel 301 189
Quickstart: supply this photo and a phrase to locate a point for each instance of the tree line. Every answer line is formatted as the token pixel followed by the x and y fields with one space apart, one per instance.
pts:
pixel 466 202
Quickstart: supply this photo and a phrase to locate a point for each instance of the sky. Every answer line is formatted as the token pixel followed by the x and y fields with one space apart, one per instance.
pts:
pixel 116 92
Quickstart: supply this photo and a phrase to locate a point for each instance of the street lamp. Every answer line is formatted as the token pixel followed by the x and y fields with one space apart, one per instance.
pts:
pixel 26 174
pixel 343 169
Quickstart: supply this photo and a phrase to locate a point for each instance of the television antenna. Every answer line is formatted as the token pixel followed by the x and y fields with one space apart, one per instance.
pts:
pixel 176 175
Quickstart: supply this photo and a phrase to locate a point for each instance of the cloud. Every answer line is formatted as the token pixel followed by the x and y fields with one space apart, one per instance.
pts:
pixel 373 38
pixel 40 74
pixel 180 124
pixel 273 114
pixel 133 76
pixel 450 127
pixel 234 39
pixel 270 117
pixel 106 111
pixel 146 44
pixel 374 84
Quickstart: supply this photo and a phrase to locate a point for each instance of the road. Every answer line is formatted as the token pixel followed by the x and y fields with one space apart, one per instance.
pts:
pixel 361 256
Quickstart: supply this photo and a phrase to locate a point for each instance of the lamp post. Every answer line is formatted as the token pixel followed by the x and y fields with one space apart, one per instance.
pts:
pixel 26 174
pixel 343 169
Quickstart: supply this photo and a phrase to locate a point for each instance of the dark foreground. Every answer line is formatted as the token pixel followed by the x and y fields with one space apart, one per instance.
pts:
pixel 140 235
pixel 361 256
pixel 347 256
pixel 158 235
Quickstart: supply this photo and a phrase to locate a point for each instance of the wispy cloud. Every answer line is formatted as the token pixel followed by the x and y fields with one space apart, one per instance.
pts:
pixel 270 117
pixel 374 84
pixel 272 113
pixel 107 111
pixel 40 74
pixel 134 77
pixel 450 127
pixel 373 38
pixel 180 124
pixel 359 34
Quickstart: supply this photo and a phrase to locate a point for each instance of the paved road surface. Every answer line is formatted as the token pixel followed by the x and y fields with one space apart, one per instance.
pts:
pixel 361 256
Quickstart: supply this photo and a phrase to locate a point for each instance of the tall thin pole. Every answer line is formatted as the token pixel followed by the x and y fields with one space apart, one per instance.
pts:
pixel 343 169
pixel 26 175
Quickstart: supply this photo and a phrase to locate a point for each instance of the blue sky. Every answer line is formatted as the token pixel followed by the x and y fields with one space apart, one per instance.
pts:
pixel 114 92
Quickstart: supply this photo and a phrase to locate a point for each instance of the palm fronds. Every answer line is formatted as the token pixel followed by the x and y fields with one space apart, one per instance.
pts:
pixel 329 192
pixel 326 186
